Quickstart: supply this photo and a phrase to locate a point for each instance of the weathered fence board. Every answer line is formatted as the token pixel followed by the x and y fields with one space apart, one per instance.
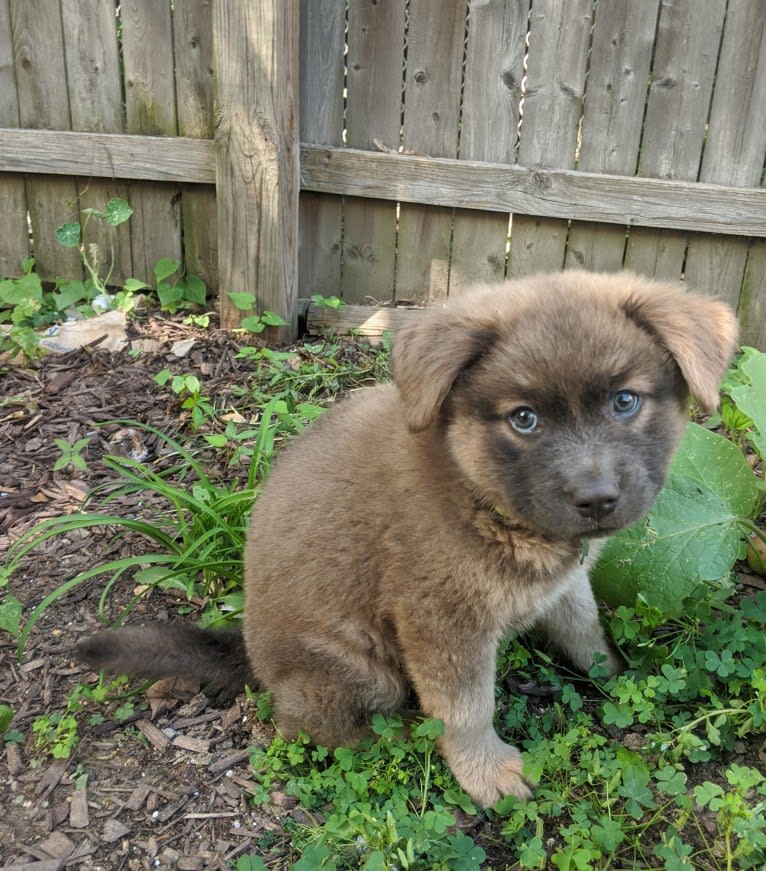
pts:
pixel 752 306
pixel 688 38
pixel 150 101
pixel 735 143
pixel 320 224
pixel 558 51
pixel 194 89
pixel 256 56
pixel 95 104
pixel 14 242
pixel 612 132
pixel 494 70
pixel 43 102
pixel 642 202
pixel 558 193
pixel 431 125
pixel 373 115
pixel 621 54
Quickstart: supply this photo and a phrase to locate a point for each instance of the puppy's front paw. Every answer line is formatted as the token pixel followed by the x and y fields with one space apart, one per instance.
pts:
pixel 491 774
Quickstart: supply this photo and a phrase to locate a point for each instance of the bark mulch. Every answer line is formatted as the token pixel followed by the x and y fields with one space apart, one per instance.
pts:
pixel 167 786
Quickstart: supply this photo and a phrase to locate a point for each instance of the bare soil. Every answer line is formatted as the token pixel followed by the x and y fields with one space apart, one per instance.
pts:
pixel 166 788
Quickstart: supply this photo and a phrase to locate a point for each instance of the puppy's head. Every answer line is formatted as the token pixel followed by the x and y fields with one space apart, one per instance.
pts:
pixel 563 397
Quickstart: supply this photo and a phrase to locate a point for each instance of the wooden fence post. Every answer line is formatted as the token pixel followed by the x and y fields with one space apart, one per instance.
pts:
pixel 255 46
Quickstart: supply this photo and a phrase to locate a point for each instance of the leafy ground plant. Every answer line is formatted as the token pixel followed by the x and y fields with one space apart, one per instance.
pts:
pixel 392 801
pixel 27 305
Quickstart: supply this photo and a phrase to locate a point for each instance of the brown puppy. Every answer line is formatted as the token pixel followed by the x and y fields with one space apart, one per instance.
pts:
pixel 413 526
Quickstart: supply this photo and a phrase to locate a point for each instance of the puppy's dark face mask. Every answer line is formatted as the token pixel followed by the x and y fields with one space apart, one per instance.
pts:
pixel 568 423
pixel 562 398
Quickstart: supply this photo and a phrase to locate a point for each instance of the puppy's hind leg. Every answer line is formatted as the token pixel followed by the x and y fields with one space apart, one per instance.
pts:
pixel 572 623
pixel 333 703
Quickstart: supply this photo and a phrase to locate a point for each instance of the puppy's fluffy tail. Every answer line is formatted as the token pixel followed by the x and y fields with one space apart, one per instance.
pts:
pixel 216 658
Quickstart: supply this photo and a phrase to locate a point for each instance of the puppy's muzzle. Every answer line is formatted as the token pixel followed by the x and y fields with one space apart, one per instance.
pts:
pixel 596 499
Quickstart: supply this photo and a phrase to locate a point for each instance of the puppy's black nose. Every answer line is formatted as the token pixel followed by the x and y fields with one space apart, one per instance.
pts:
pixel 596 499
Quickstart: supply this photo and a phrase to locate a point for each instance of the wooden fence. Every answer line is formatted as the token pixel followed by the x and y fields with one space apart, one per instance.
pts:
pixel 433 143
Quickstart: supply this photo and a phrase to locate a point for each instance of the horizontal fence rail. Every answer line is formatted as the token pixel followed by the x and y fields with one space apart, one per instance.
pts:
pixel 462 184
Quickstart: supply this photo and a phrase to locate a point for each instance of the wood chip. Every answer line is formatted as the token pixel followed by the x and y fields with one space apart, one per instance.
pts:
pixel 53 774
pixel 57 845
pixel 195 745
pixel 32 665
pixel 186 722
pixel 114 830
pixel 230 761
pixel 13 760
pixel 137 797
pixel 190 863
pixel 154 735
pixel 47 865
pixel 79 818
pixel 232 716
pixel 57 815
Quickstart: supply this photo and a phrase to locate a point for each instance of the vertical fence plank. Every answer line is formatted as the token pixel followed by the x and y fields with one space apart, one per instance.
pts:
pixel 95 103
pixel 735 144
pixel 688 38
pixel 43 102
pixel 621 53
pixel 151 109
pixel 373 112
pixel 752 306
pixel 558 52
pixel 494 70
pixel 193 50
pixel 431 125
pixel 322 41
pixel 14 241
pixel 257 152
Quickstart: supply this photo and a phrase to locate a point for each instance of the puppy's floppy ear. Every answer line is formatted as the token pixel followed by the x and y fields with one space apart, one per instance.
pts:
pixel 698 331
pixel 428 356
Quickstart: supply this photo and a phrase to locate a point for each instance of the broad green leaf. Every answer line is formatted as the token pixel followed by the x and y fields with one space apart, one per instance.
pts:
pixel 69 235
pixel 117 212
pixel 10 614
pixel 133 284
pixel 68 294
pixel 272 319
pixel 165 268
pixel 16 290
pixel 692 534
pixel 168 294
pixel 253 324
pixel 243 301
pixel 750 397
pixel 194 289
pixel 6 715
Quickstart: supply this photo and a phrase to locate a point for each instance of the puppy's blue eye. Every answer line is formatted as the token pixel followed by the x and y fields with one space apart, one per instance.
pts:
pixel 625 403
pixel 523 420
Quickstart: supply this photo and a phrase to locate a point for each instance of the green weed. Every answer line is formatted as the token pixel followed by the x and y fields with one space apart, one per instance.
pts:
pixel 71 454
pixel 390 802
pixel 26 306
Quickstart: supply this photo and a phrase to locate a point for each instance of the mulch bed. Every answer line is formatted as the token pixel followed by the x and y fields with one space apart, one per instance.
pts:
pixel 166 788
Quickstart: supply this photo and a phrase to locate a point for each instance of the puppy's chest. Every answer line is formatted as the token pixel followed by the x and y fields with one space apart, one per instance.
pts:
pixel 524 570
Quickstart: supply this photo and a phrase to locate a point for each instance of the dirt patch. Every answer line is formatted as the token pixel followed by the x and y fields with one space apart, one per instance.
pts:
pixel 165 787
